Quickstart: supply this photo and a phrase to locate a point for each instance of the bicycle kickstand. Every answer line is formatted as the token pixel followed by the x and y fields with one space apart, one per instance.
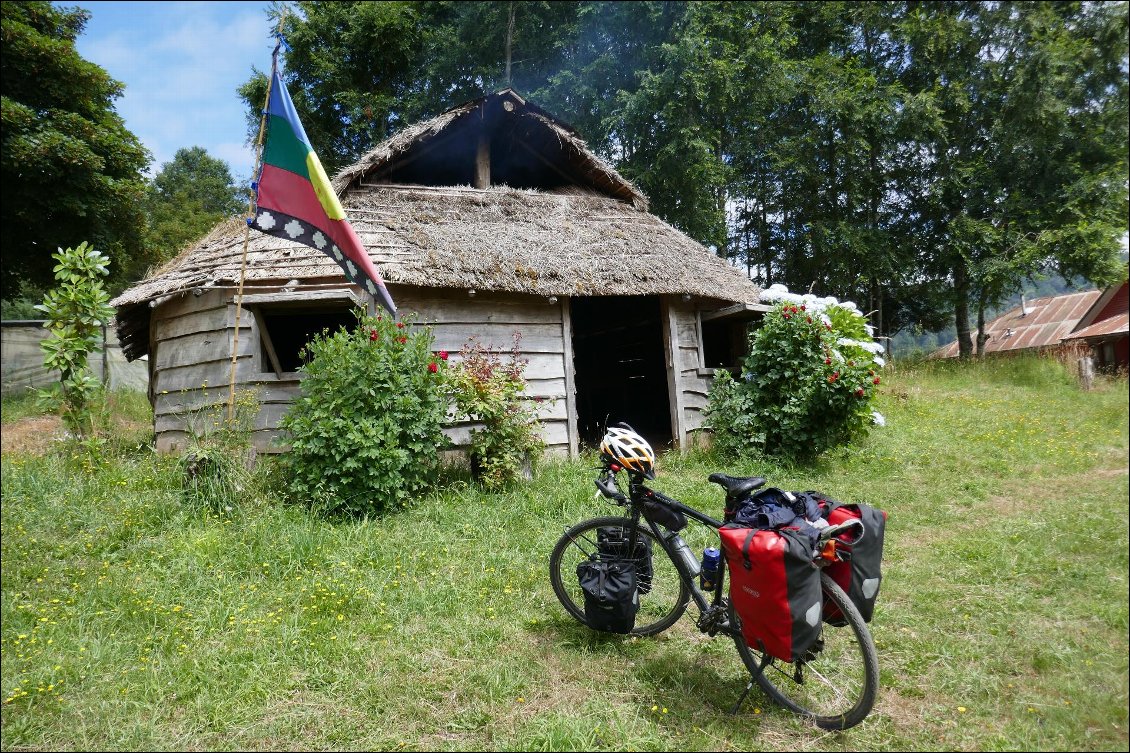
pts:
pixel 765 659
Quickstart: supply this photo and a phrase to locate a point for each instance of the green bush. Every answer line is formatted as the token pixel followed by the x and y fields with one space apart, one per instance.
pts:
pixel 489 391
pixel 366 433
pixel 76 310
pixel 806 384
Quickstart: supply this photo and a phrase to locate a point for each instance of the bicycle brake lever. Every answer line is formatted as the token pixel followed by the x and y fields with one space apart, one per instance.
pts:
pixel 608 489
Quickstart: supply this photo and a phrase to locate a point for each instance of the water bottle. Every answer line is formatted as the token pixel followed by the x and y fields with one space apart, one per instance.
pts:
pixel 710 559
pixel 683 552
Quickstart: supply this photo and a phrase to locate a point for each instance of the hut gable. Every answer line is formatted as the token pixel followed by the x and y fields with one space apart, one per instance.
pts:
pixel 500 139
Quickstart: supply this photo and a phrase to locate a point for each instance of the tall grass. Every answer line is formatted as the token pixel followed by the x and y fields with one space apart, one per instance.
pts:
pixel 133 619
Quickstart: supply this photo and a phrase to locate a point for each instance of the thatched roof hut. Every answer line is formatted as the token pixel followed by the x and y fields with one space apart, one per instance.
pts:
pixel 489 219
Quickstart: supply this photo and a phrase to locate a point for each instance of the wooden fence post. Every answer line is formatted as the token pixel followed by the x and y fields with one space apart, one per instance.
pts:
pixel 1086 372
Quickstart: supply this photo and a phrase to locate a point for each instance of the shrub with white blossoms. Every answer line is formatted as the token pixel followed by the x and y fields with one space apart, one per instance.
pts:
pixel 807 383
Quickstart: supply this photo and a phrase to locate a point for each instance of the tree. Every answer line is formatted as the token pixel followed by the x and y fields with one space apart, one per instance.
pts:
pixel 71 170
pixel 923 158
pixel 1024 164
pixel 187 198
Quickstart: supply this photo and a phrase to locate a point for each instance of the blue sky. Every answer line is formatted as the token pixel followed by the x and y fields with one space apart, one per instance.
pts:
pixel 181 63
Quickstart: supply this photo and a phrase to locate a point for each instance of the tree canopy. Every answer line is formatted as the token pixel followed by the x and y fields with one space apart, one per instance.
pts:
pixel 187 198
pixel 71 170
pixel 922 158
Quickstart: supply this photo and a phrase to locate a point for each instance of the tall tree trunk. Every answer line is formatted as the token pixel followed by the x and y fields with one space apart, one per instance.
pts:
pixel 509 41
pixel 982 336
pixel 961 308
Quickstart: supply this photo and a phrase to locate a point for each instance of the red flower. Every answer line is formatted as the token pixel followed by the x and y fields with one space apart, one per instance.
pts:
pixel 443 355
pixel 851 363
pixel 802 309
pixel 402 339
pixel 794 309
pixel 373 334
pixel 400 325
pixel 809 318
pixel 786 316
pixel 859 392
pixel 828 361
pixel 876 380
pixel 433 367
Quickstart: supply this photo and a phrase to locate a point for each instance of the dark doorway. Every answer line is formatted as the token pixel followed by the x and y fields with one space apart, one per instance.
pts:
pixel 621 374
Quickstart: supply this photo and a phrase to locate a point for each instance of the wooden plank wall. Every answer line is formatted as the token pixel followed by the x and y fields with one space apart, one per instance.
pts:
pixel 494 318
pixel 192 359
pixel 693 381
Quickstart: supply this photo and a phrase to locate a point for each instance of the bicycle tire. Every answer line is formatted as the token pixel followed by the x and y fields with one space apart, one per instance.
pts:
pixel 846 669
pixel 660 608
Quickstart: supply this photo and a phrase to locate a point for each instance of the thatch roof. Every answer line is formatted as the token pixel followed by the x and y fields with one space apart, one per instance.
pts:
pixel 563 240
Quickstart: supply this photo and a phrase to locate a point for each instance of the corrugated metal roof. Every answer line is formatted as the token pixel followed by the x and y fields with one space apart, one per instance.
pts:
pixel 1047 321
pixel 1115 325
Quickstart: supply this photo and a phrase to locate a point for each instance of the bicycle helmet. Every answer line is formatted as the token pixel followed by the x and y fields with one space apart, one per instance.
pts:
pixel 622 445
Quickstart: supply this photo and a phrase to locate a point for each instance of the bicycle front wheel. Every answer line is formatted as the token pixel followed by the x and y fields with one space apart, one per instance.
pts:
pixel 666 595
pixel 836 686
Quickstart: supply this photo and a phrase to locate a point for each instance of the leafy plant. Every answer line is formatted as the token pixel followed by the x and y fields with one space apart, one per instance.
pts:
pixel 489 391
pixel 366 433
pixel 807 383
pixel 76 310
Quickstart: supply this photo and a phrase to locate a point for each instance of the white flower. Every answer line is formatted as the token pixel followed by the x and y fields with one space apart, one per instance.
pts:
pixel 869 329
pixel 877 418
pixel 879 361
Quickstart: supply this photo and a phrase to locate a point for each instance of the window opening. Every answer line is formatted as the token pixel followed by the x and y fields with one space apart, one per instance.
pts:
pixel 284 331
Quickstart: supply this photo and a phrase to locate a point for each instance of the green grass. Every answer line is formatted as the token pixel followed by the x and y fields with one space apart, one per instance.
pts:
pixel 132 619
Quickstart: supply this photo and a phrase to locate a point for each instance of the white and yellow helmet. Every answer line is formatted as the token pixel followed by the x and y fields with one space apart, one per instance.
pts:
pixel 622 445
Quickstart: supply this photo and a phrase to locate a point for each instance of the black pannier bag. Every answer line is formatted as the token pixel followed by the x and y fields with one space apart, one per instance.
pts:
pixel 612 543
pixel 861 575
pixel 611 595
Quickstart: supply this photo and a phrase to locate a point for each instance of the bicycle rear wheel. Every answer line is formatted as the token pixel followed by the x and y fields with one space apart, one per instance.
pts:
pixel 836 688
pixel 660 607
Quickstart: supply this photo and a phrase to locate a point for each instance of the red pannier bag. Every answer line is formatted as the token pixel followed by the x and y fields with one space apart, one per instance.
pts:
pixel 775 589
pixel 861 574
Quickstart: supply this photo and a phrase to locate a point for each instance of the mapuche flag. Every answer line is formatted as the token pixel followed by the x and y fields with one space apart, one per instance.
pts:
pixel 296 201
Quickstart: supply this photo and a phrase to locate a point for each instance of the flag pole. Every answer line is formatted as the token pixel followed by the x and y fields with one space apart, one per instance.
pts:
pixel 251 200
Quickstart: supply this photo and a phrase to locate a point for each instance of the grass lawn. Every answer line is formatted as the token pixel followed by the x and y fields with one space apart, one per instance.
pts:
pixel 133 618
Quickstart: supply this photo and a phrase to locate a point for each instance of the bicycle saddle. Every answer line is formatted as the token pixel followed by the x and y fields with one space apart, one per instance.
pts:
pixel 736 486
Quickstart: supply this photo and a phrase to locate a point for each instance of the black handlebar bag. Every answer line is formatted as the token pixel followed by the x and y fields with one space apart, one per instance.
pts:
pixel 612 596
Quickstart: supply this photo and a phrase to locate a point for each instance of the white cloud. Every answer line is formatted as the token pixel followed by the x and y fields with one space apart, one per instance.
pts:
pixel 182 63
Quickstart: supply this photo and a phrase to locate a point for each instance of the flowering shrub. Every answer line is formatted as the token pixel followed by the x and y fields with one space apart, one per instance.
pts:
pixel 366 433
pixel 489 391
pixel 806 385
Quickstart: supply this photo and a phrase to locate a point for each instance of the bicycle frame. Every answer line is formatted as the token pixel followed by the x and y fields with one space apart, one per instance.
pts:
pixel 638 493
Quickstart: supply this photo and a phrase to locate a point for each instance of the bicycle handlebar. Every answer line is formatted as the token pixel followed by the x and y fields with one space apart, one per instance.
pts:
pixel 607 486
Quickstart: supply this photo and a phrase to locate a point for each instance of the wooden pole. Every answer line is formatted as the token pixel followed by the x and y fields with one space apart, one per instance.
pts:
pixel 251 198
